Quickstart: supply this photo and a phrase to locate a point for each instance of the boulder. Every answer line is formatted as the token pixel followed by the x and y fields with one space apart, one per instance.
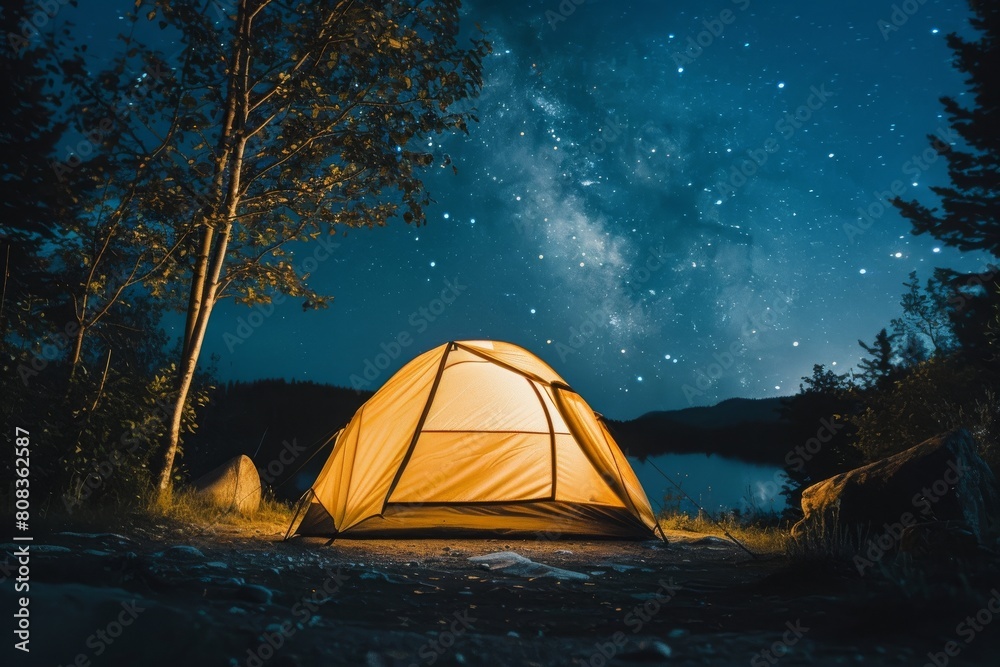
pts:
pixel 235 485
pixel 941 479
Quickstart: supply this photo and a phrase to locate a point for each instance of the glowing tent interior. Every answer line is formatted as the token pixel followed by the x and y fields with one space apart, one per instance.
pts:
pixel 475 438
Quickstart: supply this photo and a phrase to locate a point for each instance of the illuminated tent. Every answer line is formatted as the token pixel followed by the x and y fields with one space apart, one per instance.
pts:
pixel 475 438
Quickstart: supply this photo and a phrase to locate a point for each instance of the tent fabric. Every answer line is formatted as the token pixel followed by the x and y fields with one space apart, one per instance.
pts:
pixel 473 438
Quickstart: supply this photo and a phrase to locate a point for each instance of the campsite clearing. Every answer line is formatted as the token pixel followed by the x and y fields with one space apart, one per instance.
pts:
pixel 232 595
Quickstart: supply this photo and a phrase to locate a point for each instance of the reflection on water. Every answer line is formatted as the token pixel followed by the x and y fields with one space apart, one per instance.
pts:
pixel 716 483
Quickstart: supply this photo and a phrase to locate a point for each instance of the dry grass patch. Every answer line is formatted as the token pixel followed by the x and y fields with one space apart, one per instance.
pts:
pixel 759 539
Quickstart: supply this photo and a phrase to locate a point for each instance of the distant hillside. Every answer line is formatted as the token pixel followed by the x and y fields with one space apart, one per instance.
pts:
pixel 268 414
pixel 742 428
pixel 297 417
pixel 727 413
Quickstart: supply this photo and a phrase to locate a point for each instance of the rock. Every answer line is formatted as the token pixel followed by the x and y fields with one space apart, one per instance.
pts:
pixel 255 593
pixel 235 485
pixel 98 536
pixel 182 552
pixel 515 564
pixel 939 541
pixel 941 479
pixel 647 651
pixel 13 547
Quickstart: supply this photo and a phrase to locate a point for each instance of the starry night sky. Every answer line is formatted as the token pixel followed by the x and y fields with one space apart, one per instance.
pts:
pixel 591 223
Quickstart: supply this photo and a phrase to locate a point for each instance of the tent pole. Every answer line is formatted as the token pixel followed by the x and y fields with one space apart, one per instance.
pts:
pixel 324 441
pixel 695 503
pixel 298 508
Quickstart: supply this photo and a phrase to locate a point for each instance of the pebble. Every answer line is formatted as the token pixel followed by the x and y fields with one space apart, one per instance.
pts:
pixel 181 552
pixel 648 652
pixel 255 593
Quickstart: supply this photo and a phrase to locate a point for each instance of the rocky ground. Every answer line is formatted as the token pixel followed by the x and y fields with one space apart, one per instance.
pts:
pixel 182 595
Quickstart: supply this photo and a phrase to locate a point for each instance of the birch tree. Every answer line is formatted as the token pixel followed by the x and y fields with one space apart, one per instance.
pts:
pixel 282 122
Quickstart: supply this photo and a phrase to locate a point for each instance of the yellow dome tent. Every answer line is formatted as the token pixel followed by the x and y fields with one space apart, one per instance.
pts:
pixel 474 438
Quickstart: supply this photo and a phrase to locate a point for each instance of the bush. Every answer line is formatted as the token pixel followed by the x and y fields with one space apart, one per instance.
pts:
pixel 932 397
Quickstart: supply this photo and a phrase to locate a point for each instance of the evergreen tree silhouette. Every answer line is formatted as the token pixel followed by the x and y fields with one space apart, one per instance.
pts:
pixel 969 218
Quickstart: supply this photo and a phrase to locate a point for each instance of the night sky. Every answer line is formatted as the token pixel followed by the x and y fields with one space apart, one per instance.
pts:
pixel 596 219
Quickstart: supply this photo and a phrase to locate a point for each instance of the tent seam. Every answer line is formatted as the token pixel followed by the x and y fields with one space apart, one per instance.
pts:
pixel 420 425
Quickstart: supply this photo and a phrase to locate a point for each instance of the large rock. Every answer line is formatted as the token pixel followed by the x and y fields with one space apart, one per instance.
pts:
pixel 941 479
pixel 235 485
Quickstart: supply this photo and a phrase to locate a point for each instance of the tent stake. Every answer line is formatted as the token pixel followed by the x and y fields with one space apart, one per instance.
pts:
pixel 695 503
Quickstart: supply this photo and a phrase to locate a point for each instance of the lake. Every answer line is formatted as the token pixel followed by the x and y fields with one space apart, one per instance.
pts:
pixel 715 482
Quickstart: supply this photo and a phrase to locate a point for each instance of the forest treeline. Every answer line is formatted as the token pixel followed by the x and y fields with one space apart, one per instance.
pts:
pixel 191 166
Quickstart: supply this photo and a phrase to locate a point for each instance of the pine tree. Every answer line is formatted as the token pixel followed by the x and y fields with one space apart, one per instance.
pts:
pixel 876 369
pixel 970 215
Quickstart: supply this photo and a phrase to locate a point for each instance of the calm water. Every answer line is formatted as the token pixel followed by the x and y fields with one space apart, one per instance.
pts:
pixel 716 483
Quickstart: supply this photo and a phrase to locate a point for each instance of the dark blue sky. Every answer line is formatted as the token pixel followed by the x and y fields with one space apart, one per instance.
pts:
pixel 598 219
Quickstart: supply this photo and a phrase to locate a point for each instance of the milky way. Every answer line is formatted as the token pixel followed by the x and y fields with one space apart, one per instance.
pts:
pixel 662 213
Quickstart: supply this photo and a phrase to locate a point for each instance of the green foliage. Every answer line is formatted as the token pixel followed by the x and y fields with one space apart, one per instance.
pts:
pixel 197 174
pixel 925 328
pixel 934 396
pixel 286 125
pixel 938 369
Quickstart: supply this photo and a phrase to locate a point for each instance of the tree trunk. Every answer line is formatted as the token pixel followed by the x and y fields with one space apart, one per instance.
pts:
pixel 215 243
pixel 189 362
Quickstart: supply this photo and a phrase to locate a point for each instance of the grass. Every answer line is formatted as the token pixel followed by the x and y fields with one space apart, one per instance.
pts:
pixel 183 512
pixel 758 536
pixel 185 507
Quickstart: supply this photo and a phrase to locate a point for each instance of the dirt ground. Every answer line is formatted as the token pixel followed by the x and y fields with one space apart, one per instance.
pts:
pixel 242 597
